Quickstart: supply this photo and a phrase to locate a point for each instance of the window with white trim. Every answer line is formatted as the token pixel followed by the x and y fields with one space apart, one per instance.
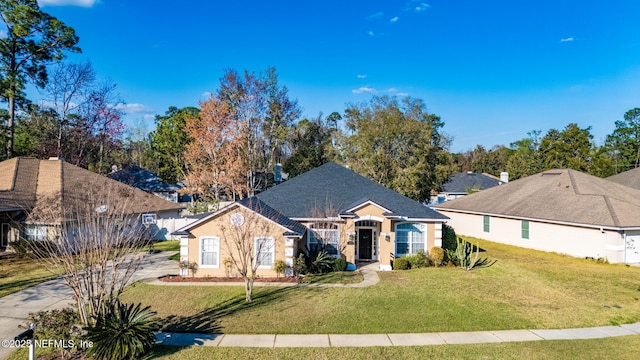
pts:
pixel 35 232
pixel 325 236
pixel 410 238
pixel 265 251
pixel 210 252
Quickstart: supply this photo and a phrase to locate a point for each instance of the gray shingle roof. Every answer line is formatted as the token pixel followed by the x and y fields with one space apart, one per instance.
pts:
pixel 142 179
pixel 255 204
pixel 335 189
pixel 559 195
pixel 630 178
pixel 459 183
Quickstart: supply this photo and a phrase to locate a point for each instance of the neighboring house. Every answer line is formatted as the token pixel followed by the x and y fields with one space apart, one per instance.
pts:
pixel 630 178
pixel 29 187
pixel 145 180
pixel 560 210
pixel 330 208
pixel 465 183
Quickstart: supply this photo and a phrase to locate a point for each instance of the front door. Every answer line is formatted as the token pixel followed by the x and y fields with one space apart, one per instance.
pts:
pixel 365 242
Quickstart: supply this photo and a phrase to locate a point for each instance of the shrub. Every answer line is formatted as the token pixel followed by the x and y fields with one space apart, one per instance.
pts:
pixel 300 265
pixel 437 255
pixel 280 267
pixel 450 257
pixel 322 263
pixel 56 324
pixel 418 260
pixel 449 238
pixel 122 332
pixel 400 263
pixel 339 264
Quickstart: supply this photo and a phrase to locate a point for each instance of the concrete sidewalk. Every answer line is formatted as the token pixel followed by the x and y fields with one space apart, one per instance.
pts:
pixel 365 340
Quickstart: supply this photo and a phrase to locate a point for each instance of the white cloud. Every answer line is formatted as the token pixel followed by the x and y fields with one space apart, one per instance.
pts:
pixel 419 6
pixel 83 3
pixel 392 90
pixel 133 108
pixel 377 15
pixel 394 19
pixel 206 95
pixel 361 76
pixel 371 33
pixel 364 89
pixel 569 39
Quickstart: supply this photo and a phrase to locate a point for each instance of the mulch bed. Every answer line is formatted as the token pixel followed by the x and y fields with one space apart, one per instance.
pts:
pixel 178 278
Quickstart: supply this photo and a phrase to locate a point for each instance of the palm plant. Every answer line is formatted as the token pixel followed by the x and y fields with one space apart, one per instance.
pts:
pixel 123 332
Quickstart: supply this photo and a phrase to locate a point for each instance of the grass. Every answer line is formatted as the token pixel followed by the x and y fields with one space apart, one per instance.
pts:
pixel 525 289
pixel 164 245
pixel 609 348
pixel 336 277
pixel 20 273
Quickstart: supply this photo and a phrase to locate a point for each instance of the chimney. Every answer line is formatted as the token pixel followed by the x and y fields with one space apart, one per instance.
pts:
pixel 504 177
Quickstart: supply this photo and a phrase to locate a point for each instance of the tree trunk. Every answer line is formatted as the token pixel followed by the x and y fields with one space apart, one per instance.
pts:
pixel 248 289
pixel 10 126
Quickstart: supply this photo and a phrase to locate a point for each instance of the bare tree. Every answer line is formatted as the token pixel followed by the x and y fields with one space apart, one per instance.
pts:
pixel 95 242
pixel 248 245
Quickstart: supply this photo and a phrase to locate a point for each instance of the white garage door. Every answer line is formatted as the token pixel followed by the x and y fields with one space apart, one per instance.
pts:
pixel 632 249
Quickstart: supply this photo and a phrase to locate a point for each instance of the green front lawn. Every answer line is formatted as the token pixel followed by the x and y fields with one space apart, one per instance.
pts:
pixel 525 289
pixel 20 273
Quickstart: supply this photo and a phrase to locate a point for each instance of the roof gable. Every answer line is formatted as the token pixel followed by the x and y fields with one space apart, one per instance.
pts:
pixel 291 227
pixel 331 189
pixel 560 195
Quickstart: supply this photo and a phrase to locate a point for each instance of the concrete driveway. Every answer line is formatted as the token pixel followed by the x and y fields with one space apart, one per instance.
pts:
pixel 54 294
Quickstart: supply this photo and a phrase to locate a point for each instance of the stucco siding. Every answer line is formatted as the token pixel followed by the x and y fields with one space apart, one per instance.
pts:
pixel 565 239
pixel 213 228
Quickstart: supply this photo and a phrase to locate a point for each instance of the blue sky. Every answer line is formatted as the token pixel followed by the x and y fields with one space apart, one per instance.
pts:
pixel 493 70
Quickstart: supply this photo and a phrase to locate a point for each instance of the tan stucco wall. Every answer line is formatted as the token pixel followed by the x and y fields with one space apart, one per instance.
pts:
pixel 213 228
pixel 564 239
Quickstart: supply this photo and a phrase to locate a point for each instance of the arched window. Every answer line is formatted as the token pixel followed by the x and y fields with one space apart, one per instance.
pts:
pixel 325 236
pixel 411 238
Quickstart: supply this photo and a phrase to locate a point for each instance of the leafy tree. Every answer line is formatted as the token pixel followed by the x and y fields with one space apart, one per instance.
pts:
pixel 32 40
pixel 215 157
pixel 398 144
pixel 267 112
pixel 624 142
pixel 526 158
pixel 169 140
pixel 569 148
pixel 311 146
